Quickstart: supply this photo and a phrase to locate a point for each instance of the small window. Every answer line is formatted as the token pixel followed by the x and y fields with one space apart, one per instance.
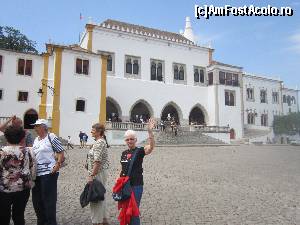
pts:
pixel 250 94
pixel 109 67
pixel 24 67
pixel 288 100
pixel 1 94
pixel 228 78
pixel 264 119
pixel 132 65
pixel 222 77
pixel 22 96
pixel 128 66
pixel 0 63
pixel 156 70
pixel 82 66
pixel 210 78
pixel 80 105
pixel 176 74
pixel 284 99
pixel 263 96
pixel 229 98
pixel 293 100
pixel 179 72
pixel 251 118
pixel 198 74
pixel 235 79
pixel 135 67
pixel 275 97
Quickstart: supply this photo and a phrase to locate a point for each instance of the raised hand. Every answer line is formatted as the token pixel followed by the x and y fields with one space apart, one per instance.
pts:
pixel 151 124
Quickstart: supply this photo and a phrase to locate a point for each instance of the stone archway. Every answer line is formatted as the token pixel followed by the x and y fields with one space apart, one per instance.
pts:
pixel 113 110
pixel 171 111
pixel 140 112
pixel 197 116
pixel 30 117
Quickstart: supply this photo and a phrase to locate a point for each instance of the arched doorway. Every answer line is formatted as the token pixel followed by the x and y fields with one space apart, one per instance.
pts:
pixel 113 111
pixel 232 134
pixel 29 118
pixel 197 116
pixel 170 112
pixel 140 113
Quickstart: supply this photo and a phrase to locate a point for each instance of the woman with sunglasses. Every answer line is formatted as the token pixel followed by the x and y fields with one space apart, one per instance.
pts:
pixel 136 177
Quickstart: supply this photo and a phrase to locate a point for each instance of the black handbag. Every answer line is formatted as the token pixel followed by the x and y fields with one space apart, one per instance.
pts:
pixel 126 190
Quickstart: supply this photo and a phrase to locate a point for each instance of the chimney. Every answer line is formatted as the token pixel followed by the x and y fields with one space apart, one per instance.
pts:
pixel 188 32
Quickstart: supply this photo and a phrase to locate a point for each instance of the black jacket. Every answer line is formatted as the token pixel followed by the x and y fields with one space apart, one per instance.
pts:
pixel 92 192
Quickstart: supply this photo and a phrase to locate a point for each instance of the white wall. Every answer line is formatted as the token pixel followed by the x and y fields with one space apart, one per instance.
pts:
pixel 270 108
pixel 78 86
pixel 11 83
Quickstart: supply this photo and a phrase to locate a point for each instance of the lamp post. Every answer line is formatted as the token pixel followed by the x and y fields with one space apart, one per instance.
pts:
pixel 40 92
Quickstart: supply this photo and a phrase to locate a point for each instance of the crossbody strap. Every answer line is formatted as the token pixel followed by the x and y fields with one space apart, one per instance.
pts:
pixel 50 142
pixel 131 162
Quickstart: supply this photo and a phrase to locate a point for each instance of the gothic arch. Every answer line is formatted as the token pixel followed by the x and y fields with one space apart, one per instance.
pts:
pixel 195 114
pixel 141 108
pixel 172 108
pixel 113 110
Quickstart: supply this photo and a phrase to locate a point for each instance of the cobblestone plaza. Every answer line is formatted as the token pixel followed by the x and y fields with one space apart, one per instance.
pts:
pixel 197 185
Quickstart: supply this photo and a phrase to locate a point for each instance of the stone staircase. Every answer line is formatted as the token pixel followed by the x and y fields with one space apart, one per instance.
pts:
pixel 183 138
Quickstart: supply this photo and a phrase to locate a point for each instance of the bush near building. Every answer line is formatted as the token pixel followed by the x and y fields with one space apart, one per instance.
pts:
pixel 289 124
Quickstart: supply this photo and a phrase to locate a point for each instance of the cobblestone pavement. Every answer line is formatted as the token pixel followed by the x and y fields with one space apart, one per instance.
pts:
pixel 198 185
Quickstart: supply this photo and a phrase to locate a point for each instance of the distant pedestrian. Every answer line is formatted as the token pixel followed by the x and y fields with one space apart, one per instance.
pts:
pixel 69 145
pixel 85 139
pixel 81 134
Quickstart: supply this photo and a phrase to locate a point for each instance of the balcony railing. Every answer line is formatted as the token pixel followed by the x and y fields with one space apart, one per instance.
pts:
pixel 127 126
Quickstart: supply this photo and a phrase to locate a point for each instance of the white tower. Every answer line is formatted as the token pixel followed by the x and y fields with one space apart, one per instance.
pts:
pixel 188 32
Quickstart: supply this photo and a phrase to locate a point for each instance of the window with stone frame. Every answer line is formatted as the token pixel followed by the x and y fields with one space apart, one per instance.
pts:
pixel 22 96
pixel 179 72
pixel 284 99
pixel 222 77
pixel 251 118
pixel 264 119
pixel 82 66
pixel 1 59
pixel 156 70
pixel 109 66
pixel 132 65
pixel 25 67
pixel 229 98
pixel 199 75
pixel 80 105
pixel 263 96
pixel 250 94
pixel 1 94
pixel 275 97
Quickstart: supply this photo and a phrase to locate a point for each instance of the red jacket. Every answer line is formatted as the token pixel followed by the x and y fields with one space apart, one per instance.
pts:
pixel 128 207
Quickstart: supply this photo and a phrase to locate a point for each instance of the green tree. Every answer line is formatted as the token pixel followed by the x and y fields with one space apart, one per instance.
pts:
pixel 13 39
pixel 289 124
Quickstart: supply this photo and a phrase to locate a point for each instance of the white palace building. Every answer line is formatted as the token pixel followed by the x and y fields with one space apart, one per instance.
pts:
pixel 124 73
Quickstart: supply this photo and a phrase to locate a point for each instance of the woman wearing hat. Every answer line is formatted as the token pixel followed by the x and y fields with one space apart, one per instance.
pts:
pixel 44 194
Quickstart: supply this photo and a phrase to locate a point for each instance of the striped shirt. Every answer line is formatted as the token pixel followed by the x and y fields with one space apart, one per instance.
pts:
pixel 99 153
pixel 45 154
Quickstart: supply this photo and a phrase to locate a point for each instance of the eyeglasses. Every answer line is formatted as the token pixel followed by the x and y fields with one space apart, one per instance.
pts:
pixel 129 139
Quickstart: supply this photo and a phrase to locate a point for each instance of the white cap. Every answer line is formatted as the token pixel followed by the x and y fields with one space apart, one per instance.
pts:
pixel 40 122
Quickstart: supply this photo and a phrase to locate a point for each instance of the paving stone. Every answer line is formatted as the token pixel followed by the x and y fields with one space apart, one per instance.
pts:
pixel 196 185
